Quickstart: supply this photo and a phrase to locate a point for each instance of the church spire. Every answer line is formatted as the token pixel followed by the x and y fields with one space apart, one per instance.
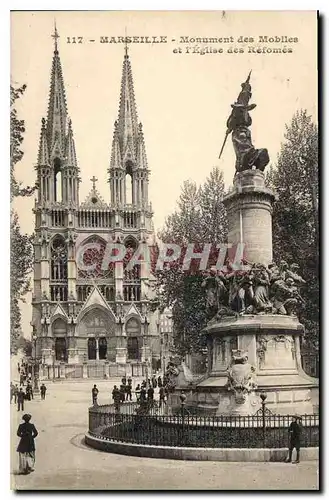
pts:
pixel 58 172
pixel 128 165
pixel 70 155
pixel 43 155
pixel 127 120
pixel 57 110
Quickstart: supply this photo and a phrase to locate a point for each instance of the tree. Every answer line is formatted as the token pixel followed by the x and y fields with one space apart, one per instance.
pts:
pixel 21 260
pixel 213 213
pixel 184 224
pixel 21 250
pixel 199 219
pixel 295 213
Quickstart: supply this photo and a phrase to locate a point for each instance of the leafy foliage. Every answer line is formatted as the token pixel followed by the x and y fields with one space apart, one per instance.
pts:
pixel 21 250
pixel 17 129
pixel 295 214
pixel 25 345
pixel 200 218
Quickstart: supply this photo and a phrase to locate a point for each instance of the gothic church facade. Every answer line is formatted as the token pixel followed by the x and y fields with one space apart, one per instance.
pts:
pixel 92 320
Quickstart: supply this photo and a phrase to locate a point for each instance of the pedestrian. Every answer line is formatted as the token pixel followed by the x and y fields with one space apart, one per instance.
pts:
pixel 122 393
pixel 29 391
pixel 15 393
pixel 94 395
pixel 12 391
pixel 114 392
pixel 150 393
pixel 162 395
pixel 128 392
pixel 20 399
pixel 43 390
pixel 26 447
pixel 138 392
pixel 154 382
pixel 116 396
pixel 159 381
pixel 142 396
pixel 21 379
pixel 295 430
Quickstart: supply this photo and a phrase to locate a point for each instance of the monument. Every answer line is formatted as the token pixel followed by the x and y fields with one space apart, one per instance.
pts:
pixel 253 333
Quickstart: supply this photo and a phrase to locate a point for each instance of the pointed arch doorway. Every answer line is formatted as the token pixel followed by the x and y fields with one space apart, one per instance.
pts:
pixel 98 325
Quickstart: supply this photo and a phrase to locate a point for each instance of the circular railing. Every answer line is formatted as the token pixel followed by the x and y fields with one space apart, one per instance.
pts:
pixel 127 424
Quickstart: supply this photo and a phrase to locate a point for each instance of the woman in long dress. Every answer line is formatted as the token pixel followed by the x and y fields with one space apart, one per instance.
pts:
pixel 26 447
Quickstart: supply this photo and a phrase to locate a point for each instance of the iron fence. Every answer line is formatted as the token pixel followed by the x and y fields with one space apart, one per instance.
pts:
pixel 124 424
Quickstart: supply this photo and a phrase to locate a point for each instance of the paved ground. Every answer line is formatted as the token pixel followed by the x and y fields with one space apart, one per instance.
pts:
pixel 64 462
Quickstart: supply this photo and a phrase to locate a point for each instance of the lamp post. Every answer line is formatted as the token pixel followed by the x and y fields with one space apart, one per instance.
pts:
pixel 35 378
pixel 263 397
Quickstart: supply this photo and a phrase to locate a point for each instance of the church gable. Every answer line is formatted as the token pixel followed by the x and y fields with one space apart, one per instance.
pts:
pixel 94 201
pixel 59 313
pixel 132 311
pixel 95 299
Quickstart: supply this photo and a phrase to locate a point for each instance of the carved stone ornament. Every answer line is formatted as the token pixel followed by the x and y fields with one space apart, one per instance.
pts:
pixel 240 376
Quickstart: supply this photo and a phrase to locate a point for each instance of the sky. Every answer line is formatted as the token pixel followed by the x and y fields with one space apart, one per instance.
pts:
pixel 183 99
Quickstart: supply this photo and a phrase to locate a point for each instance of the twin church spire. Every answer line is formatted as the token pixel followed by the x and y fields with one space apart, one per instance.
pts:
pixel 128 164
pixel 58 172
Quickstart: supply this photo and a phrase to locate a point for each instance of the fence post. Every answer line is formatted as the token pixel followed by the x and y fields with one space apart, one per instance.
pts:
pixel 263 397
pixel 182 398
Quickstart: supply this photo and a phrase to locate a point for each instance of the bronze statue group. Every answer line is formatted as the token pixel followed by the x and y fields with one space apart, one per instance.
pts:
pixel 254 289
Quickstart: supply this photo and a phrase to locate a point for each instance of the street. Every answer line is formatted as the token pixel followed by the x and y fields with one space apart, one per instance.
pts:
pixel 64 462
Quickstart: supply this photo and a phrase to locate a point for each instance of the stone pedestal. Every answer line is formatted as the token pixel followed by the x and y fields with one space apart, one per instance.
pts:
pixel 272 345
pixel 249 213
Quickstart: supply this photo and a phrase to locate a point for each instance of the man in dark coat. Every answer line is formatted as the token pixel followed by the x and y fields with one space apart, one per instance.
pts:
pixel 295 430
pixel 29 391
pixel 142 396
pixel 116 396
pixel 129 390
pixel 94 395
pixel 43 390
pixel 26 447
pixel 20 399
pixel 122 393
pixel 162 396
pixel 150 394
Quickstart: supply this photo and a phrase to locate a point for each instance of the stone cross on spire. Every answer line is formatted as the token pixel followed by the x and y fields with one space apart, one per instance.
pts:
pixel 55 36
pixel 126 43
pixel 94 180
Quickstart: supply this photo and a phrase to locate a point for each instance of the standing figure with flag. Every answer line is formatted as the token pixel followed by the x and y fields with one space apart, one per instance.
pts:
pixel 238 123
